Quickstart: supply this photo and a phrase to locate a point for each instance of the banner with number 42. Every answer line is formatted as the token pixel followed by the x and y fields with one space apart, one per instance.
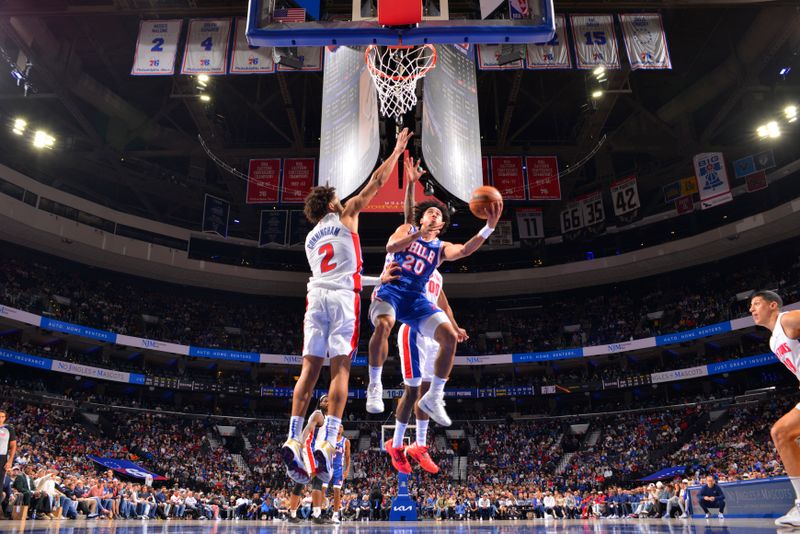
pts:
pixel 625 195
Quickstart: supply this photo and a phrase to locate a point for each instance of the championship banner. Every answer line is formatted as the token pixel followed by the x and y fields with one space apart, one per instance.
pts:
pixel 645 41
pixel 712 179
pixel 684 205
pixel 156 47
pixel 543 180
pixel 391 197
pixel 508 177
pixel 625 196
pixel 125 467
pixel 272 227
pixel 489 57
pixel 263 181
pixel 310 57
pixel 298 179
pixel 530 223
pixel 592 206
pixel 553 54
pixel 248 59
pixel 207 47
pixel 485 168
pixel 595 41
pixel 215 215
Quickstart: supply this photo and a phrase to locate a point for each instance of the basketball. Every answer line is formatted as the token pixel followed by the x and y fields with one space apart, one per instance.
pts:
pixel 482 197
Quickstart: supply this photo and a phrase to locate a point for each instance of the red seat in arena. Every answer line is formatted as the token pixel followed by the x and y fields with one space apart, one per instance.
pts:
pixel 399 12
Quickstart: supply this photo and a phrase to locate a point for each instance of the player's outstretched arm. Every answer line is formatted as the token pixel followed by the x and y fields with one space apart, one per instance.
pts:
pixel 791 324
pixel 401 238
pixel 378 178
pixel 346 459
pixel 444 305
pixel 452 252
pixel 413 172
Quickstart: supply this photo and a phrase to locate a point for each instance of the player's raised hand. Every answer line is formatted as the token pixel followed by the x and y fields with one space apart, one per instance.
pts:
pixel 402 140
pixel 391 273
pixel 413 170
pixel 493 212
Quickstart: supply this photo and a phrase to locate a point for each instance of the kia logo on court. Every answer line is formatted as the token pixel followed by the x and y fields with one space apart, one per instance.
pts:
pixel 401 508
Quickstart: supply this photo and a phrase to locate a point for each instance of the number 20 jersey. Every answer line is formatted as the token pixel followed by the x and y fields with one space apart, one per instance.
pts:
pixel 418 262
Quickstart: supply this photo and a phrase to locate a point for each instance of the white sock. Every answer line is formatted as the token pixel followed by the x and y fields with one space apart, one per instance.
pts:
pixel 332 428
pixel 399 432
pixel 317 511
pixel 437 385
pixel 296 427
pixel 293 513
pixel 422 432
pixel 375 375
pixel 796 485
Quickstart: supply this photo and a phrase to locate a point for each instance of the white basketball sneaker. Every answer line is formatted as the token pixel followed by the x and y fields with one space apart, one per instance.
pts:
pixel 375 398
pixel 792 517
pixel 433 405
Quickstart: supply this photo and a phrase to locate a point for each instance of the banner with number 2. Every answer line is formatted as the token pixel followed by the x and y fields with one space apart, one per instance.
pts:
pixel 156 48
pixel 207 47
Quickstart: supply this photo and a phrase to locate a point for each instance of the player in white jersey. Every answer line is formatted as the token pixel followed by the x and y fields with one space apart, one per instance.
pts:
pixel 765 307
pixel 330 327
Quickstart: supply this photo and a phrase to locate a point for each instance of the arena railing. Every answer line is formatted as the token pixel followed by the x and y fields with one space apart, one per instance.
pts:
pixel 64 327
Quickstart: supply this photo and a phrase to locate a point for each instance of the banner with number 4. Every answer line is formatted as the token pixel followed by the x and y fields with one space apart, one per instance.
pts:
pixel 156 47
pixel 207 47
pixel 625 196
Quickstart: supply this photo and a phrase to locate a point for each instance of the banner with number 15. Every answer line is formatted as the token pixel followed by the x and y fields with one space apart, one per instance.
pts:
pixel 207 47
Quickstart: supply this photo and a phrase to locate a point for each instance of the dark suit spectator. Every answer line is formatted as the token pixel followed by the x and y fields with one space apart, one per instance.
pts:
pixel 711 496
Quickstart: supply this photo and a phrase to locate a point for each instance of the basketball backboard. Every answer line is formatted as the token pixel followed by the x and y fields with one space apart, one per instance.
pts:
pixel 354 22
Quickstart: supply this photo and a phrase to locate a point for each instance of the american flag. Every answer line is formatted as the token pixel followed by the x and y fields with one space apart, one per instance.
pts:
pixel 292 14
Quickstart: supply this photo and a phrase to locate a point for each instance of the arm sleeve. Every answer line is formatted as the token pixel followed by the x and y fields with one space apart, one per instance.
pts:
pixel 370 281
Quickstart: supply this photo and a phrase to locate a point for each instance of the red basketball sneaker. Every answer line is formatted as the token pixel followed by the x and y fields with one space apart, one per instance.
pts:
pixel 420 455
pixel 399 460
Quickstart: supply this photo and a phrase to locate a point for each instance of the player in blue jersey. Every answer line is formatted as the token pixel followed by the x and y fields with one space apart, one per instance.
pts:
pixel 341 469
pixel 419 251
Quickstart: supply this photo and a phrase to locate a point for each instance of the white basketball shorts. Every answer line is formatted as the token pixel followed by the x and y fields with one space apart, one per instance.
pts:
pixel 331 323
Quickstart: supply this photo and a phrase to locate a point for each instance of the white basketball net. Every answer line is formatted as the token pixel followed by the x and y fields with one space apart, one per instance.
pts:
pixel 395 71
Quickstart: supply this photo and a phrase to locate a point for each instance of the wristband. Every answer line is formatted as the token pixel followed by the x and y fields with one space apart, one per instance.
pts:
pixel 486 232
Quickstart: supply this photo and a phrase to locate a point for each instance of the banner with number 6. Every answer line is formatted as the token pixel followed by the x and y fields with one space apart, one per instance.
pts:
pixel 625 195
pixel 156 47
pixel 207 47
pixel 595 41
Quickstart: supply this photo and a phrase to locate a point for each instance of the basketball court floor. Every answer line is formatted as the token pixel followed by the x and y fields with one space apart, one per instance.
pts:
pixel 638 526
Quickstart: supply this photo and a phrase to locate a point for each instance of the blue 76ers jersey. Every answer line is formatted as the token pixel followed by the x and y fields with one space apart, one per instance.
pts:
pixel 418 261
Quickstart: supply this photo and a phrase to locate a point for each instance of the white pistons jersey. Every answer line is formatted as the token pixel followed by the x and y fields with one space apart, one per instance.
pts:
pixel 334 255
pixel 787 350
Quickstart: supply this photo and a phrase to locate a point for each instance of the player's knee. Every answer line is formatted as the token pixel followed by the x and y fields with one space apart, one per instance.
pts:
pixel 383 326
pixel 447 339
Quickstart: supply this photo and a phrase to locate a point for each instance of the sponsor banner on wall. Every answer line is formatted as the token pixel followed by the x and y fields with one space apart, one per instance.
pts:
pixel 679 374
pixel 152 344
pixel 156 47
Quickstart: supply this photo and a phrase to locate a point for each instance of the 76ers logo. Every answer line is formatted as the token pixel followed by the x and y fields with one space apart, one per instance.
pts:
pixel 781 353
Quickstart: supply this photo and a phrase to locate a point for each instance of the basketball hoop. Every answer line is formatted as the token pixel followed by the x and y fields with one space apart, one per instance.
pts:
pixel 395 71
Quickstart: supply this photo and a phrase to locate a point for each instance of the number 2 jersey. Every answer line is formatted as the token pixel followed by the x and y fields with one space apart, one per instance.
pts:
pixel 334 255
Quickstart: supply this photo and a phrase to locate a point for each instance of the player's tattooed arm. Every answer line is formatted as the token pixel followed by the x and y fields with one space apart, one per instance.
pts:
pixel 401 238
pixel 378 178
pixel 444 305
pixel 452 252
pixel 791 324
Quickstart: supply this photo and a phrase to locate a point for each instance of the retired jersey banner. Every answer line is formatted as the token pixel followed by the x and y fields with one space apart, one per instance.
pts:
pixel 207 47
pixel 272 227
pixel 248 59
pixel 310 57
pixel 530 223
pixel 156 47
pixel 215 215
pixel 508 177
pixel 298 179
pixel 592 206
pixel 489 58
pixel 645 41
pixel 625 196
pixel 595 41
pixel 543 180
pixel 572 217
pixel 712 179
pixel 263 180
pixel 553 54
